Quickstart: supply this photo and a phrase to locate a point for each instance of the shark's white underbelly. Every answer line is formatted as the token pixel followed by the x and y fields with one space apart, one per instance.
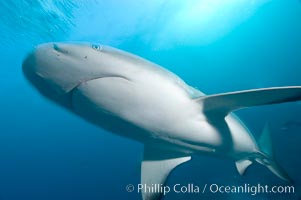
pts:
pixel 161 110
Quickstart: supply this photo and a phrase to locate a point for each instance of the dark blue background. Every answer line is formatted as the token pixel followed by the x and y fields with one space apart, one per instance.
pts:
pixel 48 153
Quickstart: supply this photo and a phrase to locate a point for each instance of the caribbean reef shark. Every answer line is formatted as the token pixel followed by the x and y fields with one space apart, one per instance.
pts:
pixel 135 98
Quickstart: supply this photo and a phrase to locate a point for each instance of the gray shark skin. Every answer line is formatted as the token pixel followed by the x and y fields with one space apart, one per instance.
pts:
pixel 135 98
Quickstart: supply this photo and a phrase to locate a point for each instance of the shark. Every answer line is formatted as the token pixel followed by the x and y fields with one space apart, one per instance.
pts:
pixel 135 98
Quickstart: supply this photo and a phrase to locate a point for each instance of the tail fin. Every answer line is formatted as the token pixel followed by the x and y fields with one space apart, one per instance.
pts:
pixel 266 156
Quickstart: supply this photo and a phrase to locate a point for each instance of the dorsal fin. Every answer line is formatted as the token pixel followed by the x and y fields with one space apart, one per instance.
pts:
pixel 265 141
pixel 155 168
pixel 267 159
pixel 228 102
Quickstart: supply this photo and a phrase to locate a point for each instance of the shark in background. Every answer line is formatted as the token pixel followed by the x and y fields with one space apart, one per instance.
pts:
pixel 135 98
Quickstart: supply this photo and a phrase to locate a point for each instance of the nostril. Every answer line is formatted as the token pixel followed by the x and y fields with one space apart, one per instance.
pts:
pixel 59 49
pixel 56 47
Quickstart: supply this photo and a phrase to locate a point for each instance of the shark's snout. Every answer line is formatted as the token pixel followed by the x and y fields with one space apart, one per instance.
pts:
pixel 56 69
pixel 40 75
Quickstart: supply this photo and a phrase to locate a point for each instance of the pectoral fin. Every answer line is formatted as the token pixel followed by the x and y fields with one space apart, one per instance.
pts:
pixel 155 169
pixel 242 165
pixel 228 102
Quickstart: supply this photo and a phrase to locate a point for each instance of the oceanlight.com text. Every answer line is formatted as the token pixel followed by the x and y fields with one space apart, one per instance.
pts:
pixel 251 189
pixel 211 188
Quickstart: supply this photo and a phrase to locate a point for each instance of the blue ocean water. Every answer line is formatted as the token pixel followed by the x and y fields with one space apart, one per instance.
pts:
pixel 47 153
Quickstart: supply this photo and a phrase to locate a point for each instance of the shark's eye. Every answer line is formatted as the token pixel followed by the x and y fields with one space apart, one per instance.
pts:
pixel 96 47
